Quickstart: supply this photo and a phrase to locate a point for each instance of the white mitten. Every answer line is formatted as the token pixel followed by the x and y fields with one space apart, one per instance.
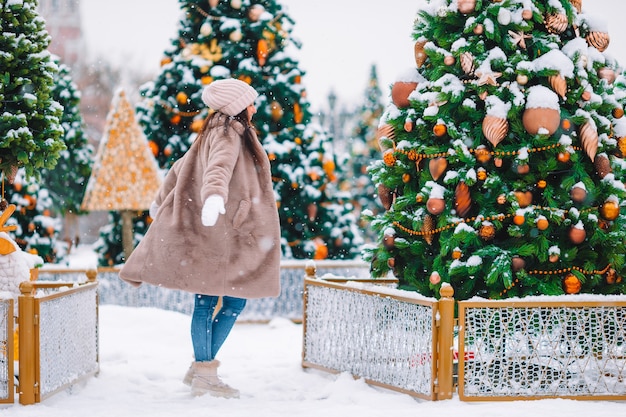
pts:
pixel 213 207
pixel 154 207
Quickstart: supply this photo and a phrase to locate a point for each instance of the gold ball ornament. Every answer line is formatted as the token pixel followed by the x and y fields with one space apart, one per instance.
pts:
pixel 522 79
pixel 406 178
pixel 235 36
pixel 606 73
pixel 517 263
pixel 449 60
pixel 577 235
pixel 481 174
pixel 479 29
pixel 527 14
pixel 400 92
pixel 578 194
pixel 618 112
pixel 435 205
pixel 466 6
pixel 541 184
pixel 181 98
pixel 434 278
pixel 457 254
pixel 609 210
pixel 536 118
pixel 571 284
pixel 389 241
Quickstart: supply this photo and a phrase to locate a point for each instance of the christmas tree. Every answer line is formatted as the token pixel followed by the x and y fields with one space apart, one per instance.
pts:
pixel 37 226
pixel 502 154
pixel 249 40
pixel 363 151
pixel 66 183
pixel 29 117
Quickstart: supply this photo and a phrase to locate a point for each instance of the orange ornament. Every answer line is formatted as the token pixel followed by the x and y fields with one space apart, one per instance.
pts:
pixel 262 51
pixel 440 129
pixel 175 119
pixel 563 157
pixel 542 223
pixel 609 210
pixel 518 219
pixel 297 113
pixel 457 254
pixel 153 147
pixel 571 284
pixel 181 98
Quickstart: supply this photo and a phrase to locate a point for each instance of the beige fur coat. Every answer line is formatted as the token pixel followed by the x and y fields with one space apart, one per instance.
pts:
pixel 240 255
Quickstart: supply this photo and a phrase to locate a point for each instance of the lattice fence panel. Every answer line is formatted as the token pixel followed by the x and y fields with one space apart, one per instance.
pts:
pixel 6 338
pixel 376 337
pixel 68 339
pixel 287 305
pixel 544 352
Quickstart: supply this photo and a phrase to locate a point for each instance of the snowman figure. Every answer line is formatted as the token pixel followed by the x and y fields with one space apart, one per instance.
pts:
pixel 15 264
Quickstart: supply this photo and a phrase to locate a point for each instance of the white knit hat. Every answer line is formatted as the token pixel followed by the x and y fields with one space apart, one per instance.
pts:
pixel 229 96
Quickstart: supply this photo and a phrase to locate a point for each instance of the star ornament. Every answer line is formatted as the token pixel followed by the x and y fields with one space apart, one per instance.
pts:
pixel 488 78
pixel 519 38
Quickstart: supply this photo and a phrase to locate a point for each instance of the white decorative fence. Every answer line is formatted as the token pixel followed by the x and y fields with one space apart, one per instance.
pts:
pixel 543 349
pixel 6 351
pixel 58 337
pixel 386 336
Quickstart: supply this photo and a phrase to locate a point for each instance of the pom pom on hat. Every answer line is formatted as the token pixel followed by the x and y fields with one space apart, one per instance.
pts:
pixel 229 96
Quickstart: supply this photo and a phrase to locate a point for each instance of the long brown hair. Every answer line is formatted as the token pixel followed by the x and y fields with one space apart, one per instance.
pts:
pixel 216 119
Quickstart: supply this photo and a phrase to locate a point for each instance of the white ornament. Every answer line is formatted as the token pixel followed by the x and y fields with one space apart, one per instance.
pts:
pixel 206 29
pixel 235 36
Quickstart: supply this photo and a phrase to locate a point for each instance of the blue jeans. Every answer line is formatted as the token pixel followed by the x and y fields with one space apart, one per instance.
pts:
pixel 208 333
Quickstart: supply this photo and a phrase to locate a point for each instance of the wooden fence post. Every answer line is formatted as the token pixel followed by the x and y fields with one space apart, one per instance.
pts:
pixel 445 343
pixel 27 324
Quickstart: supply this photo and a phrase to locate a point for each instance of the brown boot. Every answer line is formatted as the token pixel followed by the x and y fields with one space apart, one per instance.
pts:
pixel 205 380
pixel 189 375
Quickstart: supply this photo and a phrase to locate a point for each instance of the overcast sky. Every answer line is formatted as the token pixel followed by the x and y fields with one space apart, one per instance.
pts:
pixel 341 39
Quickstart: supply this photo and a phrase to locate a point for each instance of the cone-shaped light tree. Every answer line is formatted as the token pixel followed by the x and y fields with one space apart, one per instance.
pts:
pixel 30 128
pixel 502 154
pixel 125 177
pixel 250 40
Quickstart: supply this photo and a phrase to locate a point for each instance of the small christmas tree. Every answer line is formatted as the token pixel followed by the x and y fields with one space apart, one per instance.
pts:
pixel 248 40
pixel 503 153
pixel 29 117
pixel 125 175
pixel 67 182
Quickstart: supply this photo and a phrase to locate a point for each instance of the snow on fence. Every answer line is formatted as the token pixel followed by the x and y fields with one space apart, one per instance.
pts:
pixel 58 336
pixel 386 336
pixel 112 290
pixel 528 349
pixel 6 351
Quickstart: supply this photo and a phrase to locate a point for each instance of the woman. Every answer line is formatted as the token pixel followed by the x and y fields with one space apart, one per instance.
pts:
pixel 216 230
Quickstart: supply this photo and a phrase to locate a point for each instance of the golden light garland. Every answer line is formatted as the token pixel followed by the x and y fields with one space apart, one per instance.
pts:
pixel 473 219
pixel 413 155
